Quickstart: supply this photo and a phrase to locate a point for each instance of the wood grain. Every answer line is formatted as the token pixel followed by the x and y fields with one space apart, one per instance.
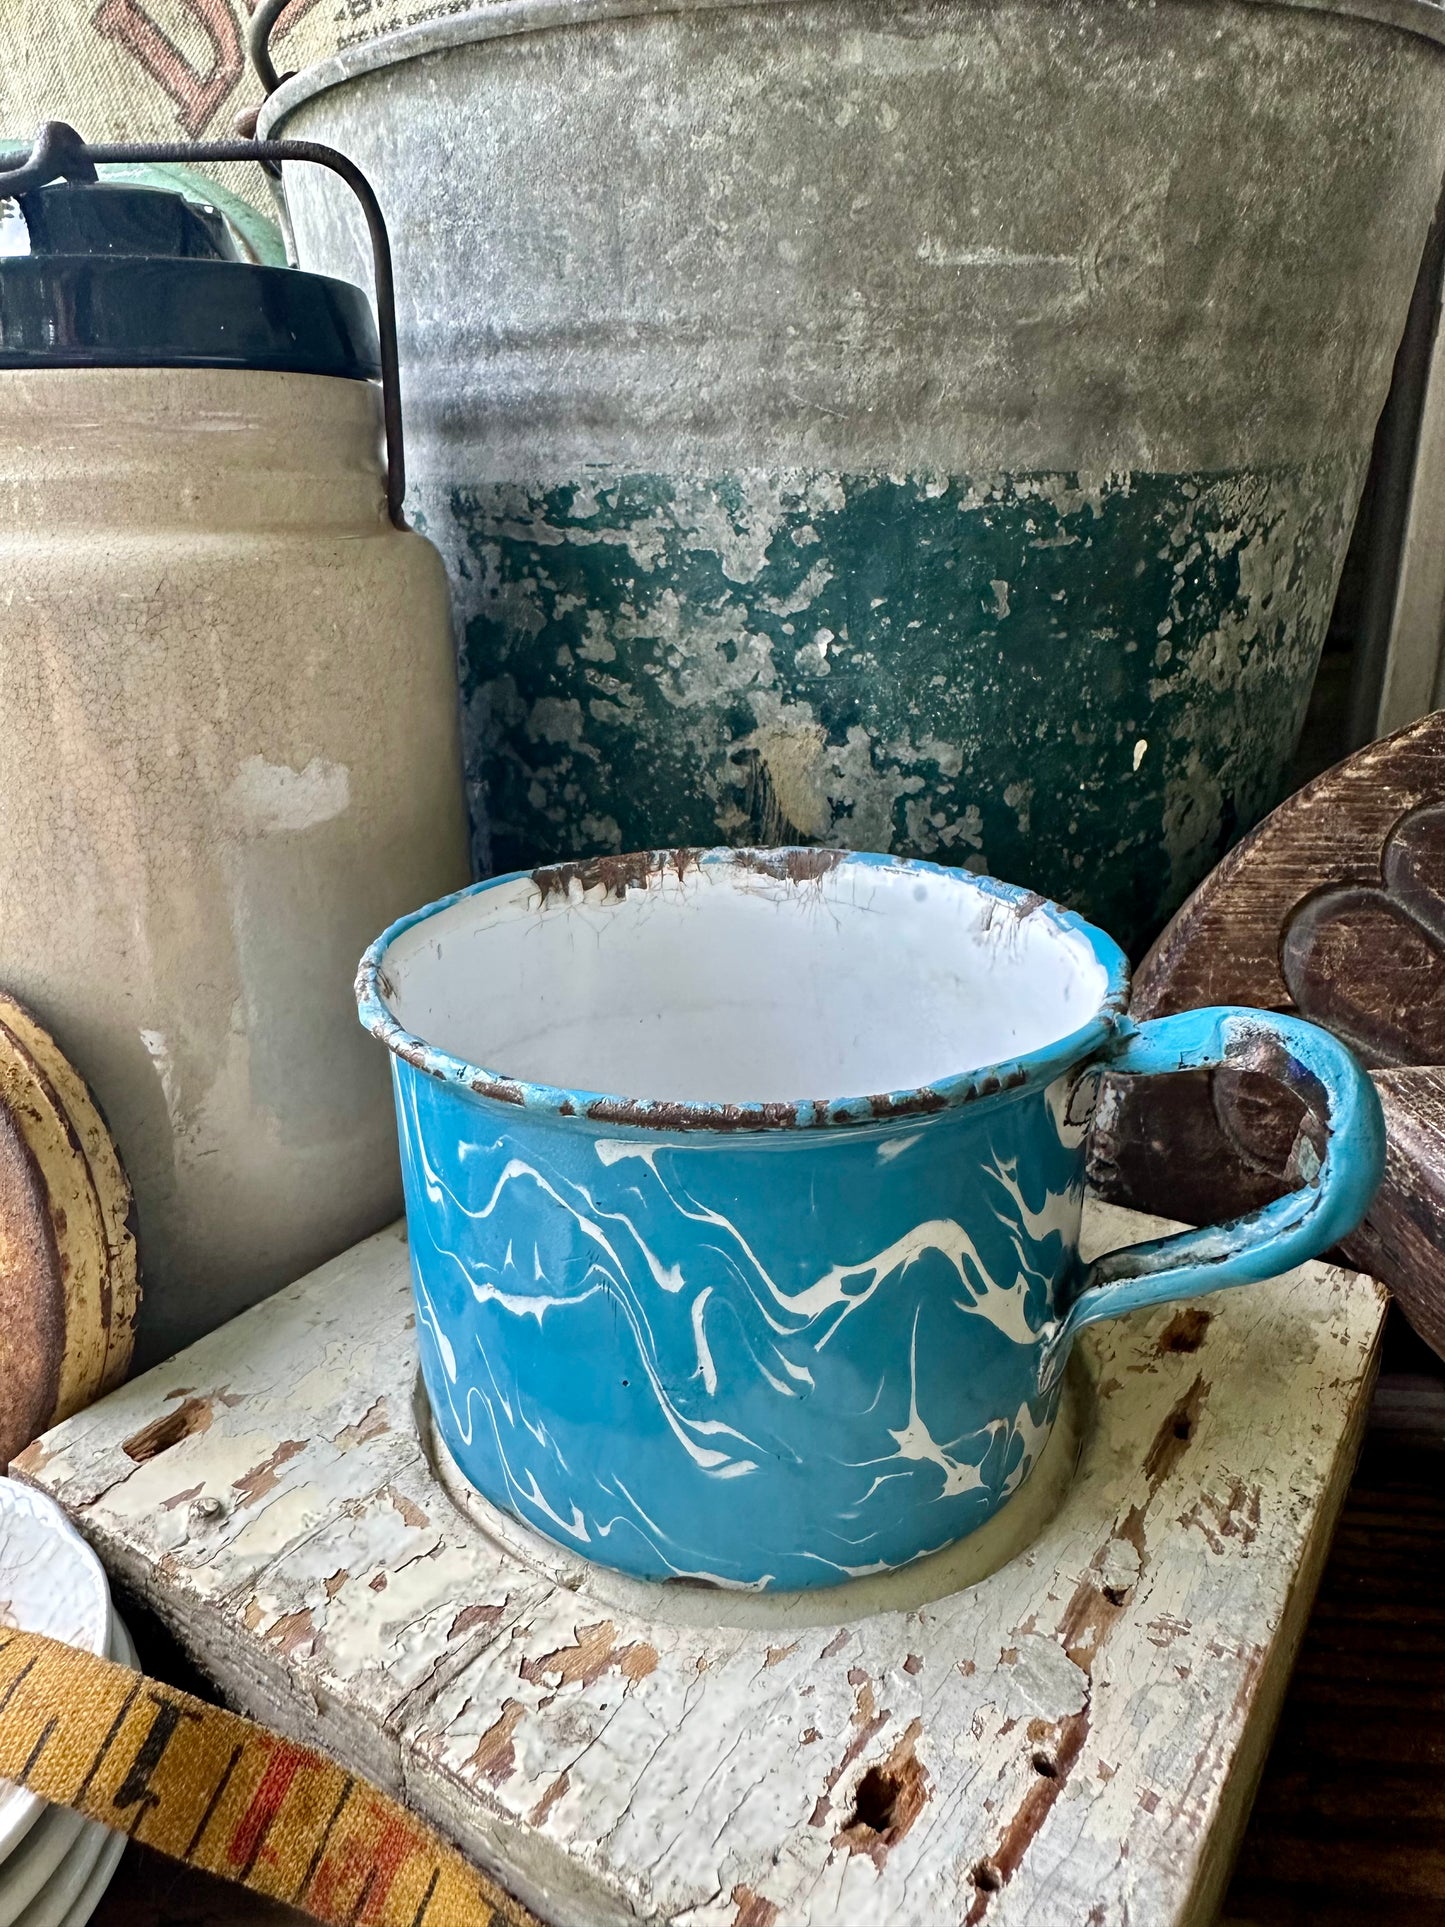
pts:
pixel 1334 907
pixel 1349 1823
pixel 1073 1739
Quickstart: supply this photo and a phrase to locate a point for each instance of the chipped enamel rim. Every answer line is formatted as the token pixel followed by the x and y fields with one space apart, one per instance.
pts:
pixel 506 18
pixel 1010 1078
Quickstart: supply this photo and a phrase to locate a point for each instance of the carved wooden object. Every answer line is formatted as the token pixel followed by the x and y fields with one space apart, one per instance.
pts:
pixel 1333 907
pixel 1074 1738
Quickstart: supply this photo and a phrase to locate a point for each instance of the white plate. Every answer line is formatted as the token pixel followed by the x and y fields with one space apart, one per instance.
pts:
pixel 52 1905
pixel 93 1891
pixel 122 1647
pixel 36 1860
pixel 50 1582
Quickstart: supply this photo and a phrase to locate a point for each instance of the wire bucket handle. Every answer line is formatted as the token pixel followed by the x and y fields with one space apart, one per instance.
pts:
pixel 60 153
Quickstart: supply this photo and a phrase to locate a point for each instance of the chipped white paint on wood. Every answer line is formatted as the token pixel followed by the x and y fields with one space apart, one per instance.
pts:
pixel 1072 1740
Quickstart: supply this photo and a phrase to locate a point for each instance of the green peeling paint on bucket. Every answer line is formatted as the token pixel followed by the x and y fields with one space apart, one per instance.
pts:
pixel 933 429
pixel 855 659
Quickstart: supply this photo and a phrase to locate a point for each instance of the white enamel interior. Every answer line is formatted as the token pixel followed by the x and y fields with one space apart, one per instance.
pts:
pixel 726 985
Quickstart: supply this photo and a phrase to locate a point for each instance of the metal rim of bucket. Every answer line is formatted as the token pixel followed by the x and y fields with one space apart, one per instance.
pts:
pixel 507 18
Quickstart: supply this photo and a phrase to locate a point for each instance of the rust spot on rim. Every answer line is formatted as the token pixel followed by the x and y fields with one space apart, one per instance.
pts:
pixel 614 876
pixel 669 1114
pixel 791 865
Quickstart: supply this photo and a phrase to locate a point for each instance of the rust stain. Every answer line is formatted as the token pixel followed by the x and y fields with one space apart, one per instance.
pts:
pixel 495 1758
pixel 470 1617
pixel 591 1654
pixel 614 876
pixel 409 1510
pixel 790 866
pixel 548 1800
pixel 753 1910
pixel 1174 1434
pixel 291 1630
pixel 1185 1330
pixel 372 1423
pixel 191 1416
pixel 665 1114
pixel 266 1476
pixel 888 1800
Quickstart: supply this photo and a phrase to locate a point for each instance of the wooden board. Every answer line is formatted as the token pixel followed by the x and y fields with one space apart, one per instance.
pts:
pixel 1349 1824
pixel 1333 907
pixel 1074 1739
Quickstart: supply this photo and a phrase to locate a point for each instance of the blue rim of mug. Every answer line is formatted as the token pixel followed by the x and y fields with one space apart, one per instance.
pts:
pixel 1008 1078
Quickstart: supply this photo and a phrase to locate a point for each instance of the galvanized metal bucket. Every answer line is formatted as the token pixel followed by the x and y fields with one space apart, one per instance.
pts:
pixel 933 428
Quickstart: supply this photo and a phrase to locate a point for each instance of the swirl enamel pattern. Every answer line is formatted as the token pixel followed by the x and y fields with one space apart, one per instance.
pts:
pixel 777 1362
pixel 783 1345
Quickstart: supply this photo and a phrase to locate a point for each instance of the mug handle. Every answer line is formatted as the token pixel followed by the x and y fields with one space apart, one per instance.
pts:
pixel 1338 1191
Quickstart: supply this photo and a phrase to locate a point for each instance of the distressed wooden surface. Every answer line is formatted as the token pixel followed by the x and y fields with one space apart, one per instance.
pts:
pixel 1349 1824
pixel 1075 1739
pixel 1333 907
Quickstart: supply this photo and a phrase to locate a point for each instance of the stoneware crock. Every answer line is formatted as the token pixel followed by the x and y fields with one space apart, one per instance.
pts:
pixel 744 1189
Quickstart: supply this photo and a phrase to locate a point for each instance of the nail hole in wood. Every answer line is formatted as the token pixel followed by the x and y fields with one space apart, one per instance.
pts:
pixel 1184 1429
pixel 875 1805
pixel 986 1877
pixel 1045 1763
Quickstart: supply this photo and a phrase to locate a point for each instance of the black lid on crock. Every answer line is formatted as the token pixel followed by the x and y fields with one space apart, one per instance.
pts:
pixel 99 275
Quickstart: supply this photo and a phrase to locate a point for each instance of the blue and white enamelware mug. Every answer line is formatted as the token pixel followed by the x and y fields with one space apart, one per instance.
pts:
pixel 744 1189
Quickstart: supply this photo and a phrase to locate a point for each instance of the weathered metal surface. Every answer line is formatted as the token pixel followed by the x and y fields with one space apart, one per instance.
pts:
pixel 1073 1737
pixel 929 665
pixel 933 429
